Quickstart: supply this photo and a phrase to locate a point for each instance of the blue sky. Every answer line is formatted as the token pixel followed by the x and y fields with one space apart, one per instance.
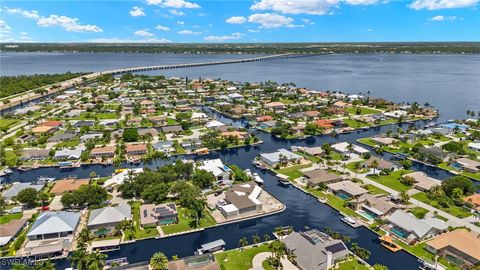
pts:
pixel 239 21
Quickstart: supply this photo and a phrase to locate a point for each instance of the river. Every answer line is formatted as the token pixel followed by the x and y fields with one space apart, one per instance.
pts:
pixel 449 82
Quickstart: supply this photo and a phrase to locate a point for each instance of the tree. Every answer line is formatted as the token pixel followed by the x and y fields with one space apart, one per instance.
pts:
pixel 203 178
pixel 3 204
pixel 243 242
pixel 363 253
pixel 374 165
pixel 256 239
pixel 45 265
pixel 155 193
pixel 379 267
pixel 239 174
pixel 186 193
pixel 93 174
pixel 96 260
pixel 28 196
pixel 404 197
pixel 266 237
pixel 159 261
pixel 77 259
pixel 350 148
pixel 464 184
pixel 130 135
pixel 196 209
pixel 84 235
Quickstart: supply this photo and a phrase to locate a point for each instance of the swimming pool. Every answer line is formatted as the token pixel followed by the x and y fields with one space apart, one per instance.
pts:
pixel 343 196
pixel 367 215
pixel 399 233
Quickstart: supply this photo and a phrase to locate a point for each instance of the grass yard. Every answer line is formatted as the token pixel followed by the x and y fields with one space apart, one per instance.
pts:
pixel 335 202
pixel 374 190
pixel 363 110
pixel 391 180
pixel 351 167
pixel 335 156
pixel 68 144
pixel 239 259
pixel 187 223
pixel 10 158
pixel 419 212
pixel 6 218
pixel 139 231
pixel 352 265
pixel 293 172
pixel 354 123
pixel 452 209
pixel 6 124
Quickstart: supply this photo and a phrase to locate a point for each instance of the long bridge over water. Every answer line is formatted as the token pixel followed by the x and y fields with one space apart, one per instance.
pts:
pixel 62 86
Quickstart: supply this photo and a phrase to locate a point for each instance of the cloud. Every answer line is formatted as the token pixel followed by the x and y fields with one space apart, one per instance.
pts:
pixel 295 25
pixel 317 7
pixel 440 18
pixel 442 4
pixel 119 40
pixel 143 33
pixel 236 20
pixel 163 28
pixel 173 3
pixel 67 23
pixel 270 20
pixel 224 37
pixel 137 12
pixel 188 32
pixel 4 28
pixel 361 2
pixel 176 12
pixel 181 22
pixel 25 37
pixel 30 14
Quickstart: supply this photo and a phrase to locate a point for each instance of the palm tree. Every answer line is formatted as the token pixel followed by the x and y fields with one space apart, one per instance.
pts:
pixel 243 242
pixel 404 197
pixel 84 235
pixel 266 237
pixel 45 265
pixel 159 261
pixel 374 165
pixel 96 260
pixel 350 148
pixel 255 239
pixel 77 259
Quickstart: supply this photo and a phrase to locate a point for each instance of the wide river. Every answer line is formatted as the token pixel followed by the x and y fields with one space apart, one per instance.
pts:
pixel 449 82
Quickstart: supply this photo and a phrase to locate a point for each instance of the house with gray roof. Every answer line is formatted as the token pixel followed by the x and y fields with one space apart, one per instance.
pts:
pixel 50 225
pixel 109 217
pixel 165 147
pixel 67 136
pixel 280 156
pixel 411 229
pixel 315 250
pixel 67 153
pixel 17 187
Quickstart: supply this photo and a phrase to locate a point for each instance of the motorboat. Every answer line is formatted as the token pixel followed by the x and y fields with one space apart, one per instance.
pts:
pixel 257 178
pixel 283 179
pixel 349 220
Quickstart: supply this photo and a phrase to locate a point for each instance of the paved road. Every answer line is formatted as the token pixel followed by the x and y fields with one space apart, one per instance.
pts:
pixel 260 257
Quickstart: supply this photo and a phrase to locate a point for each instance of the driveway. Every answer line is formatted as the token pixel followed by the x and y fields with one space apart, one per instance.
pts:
pixel 260 257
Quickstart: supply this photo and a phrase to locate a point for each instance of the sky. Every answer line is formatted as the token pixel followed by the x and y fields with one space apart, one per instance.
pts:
pixel 183 21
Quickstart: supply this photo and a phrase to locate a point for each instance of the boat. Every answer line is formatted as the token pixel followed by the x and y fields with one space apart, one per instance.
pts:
pixel 349 220
pixel 387 242
pixel 6 171
pixel 429 266
pixel 46 179
pixel 258 164
pixel 283 179
pixel 211 247
pixel 201 151
pixel 257 178
pixel 248 173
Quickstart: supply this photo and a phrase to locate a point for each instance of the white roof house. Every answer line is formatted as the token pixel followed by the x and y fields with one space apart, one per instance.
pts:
pixel 396 114
pixel 67 153
pixel 417 228
pixel 199 115
pixel 474 146
pixel 235 96
pixel 216 166
pixel 274 158
pixel 17 187
pixel 54 223
pixel 343 148
pixel 109 216
pixel 120 177
pixel 214 123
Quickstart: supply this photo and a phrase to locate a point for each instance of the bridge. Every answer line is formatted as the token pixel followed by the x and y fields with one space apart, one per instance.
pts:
pixel 62 86
pixel 223 62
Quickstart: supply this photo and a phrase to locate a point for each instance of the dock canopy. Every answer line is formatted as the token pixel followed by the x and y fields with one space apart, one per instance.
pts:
pixel 213 245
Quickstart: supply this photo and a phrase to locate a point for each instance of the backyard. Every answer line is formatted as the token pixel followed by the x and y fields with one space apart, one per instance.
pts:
pixel 187 223
pixel 239 259
pixel 391 180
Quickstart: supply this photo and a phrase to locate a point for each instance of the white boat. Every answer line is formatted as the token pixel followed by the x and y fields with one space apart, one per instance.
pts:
pixel 257 178
pixel 349 220
pixel 46 179
pixel 429 266
pixel 283 179
pixel 249 173
pixel 6 171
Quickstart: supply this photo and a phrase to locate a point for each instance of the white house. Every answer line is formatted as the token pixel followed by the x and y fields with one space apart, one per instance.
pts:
pixel 342 148
pixel 216 166
pixel 274 158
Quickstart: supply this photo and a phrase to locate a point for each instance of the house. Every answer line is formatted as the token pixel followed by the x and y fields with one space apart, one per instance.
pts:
pixel 35 154
pixel 319 176
pixel 268 124
pixel 373 206
pixel 69 154
pixel 282 156
pixel 67 185
pixel 90 136
pixel 136 149
pixel 147 106
pixel 106 151
pixel 63 137
pixel 172 129
pixel 148 131
pixel 214 124
pixel 474 146
pixel 158 119
pixel 158 214
pixel 17 187
pixel 165 147
pixel 201 262
pixel 83 123
pixel 474 200
pixel 10 230
pixel 435 152
pixel 264 118
pixel 109 122
pixel 312 151
pixel 192 144
pixel 315 250
pixel 324 123
pixel 109 217
pixel 386 141
pixel 55 124
pixel 469 165
pixel 411 230
pixel 311 114
pixel 458 246
pixel 382 164
pixel 241 135
pixel 51 225
pixel 342 148
pixel 38 130
pixel 26 138
pixel 217 168
pixel 275 106
pixel 242 199
pixel 346 189
pixel 422 181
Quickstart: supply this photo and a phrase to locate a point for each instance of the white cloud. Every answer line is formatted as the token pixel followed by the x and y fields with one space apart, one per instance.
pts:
pixel 236 20
pixel 361 2
pixel 119 40
pixel 173 3
pixel 442 4
pixel 224 37
pixel 143 33
pixel 188 32
pixel 176 12
pixel 369 30
pixel 4 28
pixel 181 22
pixel 137 12
pixel 25 37
pixel 67 23
pixel 30 14
pixel 440 18
pixel 295 25
pixel 253 30
pixel 307 21
pixel 317 7
pixel 163 28
pixel 270 20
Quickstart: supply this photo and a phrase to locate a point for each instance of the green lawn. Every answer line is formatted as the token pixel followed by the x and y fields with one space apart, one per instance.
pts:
pixel 5 124
pixel 335 202
pixel 68 144
pixel 452 209
pixel 139 231
pixel 353 110
pixel 335 155
pixel 239 259
pixel 391 180
pixel 352 265
pixel 6 218
pixel 354 123
pixel 374 190
pixel 187 223
pixel 10 158
pixel 351 167
pixel 419 212
pixel 293 172
pixel 86 115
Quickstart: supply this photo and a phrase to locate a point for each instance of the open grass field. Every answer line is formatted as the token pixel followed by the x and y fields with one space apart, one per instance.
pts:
pixel 363 110
pixel 391 180
pixel 186 223
pixel 6 218
pixel 239 259
pixel 5 124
